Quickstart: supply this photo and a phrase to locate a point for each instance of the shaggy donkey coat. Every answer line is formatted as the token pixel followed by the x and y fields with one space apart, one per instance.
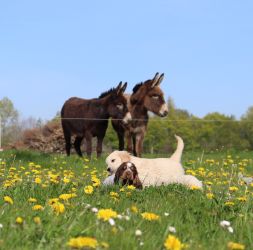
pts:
pixel 154 172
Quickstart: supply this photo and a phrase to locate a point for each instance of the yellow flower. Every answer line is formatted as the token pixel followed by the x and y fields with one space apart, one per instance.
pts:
pixel 19 220
pixel 96 181
pixel 195 188
pixel 37 180
pixel 134 209
pixel 37 220
pixel 32 200
pixel 66 197
pixel 233 189
pixel 106 214
pixel 150 216
pixel 131 187
pixel 8 199
pixel 242 199
pixel 114 194
pixel 52 201
pixel 58 208
pixel 229 203
pixel 88 190
pixel 173 243
pixel 83 242
pixel 210 196
pixel 37 208
pixel 235 246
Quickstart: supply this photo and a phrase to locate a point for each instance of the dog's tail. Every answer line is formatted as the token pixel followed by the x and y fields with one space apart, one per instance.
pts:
pixel 178 153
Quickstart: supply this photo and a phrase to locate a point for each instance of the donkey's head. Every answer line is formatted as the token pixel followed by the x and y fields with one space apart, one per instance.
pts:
pixel 117 103
pixel 151 96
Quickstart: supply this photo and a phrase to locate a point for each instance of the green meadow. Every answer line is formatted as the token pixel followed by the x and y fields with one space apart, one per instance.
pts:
pixel 55 202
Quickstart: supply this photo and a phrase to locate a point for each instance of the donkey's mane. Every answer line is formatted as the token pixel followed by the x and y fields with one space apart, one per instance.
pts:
pixel 136 87
pixel 106 93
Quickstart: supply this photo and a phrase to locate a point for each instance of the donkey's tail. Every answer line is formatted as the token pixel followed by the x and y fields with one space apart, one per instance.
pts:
pixel 178 153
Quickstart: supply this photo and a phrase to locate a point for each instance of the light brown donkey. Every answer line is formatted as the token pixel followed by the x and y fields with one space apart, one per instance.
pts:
pixel 146 96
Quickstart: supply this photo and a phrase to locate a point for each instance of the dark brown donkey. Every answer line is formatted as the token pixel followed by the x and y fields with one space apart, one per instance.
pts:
pixel 146 97
pixel 89 118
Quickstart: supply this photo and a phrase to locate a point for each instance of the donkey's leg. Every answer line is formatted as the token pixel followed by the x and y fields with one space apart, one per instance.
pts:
pixel 129 142
pixel 99 146
pixel 121 141
pixel 139 144
pixel 67 137
pixel 88 137
pixel 134 145
pixel 77 145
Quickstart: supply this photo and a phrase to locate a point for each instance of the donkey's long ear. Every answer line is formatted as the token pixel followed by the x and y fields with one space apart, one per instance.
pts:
pixel 155 80
pixel 123 89
pixel 160 79
pixel 118 89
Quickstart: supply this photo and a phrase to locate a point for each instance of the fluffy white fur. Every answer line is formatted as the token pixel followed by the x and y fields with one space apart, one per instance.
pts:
pixel 154 172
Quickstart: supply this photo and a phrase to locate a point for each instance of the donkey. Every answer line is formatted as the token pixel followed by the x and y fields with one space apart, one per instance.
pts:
pixel 85 118
pixel 146 97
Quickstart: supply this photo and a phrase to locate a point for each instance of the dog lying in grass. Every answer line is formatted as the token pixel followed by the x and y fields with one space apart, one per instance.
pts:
pixel 154 172
pixel 127 174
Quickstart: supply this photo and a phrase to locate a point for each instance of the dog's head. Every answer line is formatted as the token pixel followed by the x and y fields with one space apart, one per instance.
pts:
pixel 127 174
pixel 115 159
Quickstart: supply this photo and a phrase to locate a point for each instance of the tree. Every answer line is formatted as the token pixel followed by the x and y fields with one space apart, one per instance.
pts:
pixel 9 117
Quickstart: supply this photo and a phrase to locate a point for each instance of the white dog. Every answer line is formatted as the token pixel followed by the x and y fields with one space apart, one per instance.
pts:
pixel 154 172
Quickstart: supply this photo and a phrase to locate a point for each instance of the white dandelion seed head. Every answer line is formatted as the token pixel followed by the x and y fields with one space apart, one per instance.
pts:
pixel 225 223
pixel 138 232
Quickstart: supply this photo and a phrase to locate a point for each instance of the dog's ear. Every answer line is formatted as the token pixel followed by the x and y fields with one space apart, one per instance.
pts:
pixel 137 183
pixel 118 174
pixel 124 156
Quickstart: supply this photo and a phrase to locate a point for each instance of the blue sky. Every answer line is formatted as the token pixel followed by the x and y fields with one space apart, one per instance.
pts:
pixel 52 50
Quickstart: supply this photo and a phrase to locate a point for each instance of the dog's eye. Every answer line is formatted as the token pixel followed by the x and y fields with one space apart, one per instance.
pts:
pixel 124 167
pixel 113 160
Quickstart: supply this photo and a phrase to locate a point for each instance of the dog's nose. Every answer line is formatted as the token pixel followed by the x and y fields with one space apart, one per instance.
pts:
pixel 109 169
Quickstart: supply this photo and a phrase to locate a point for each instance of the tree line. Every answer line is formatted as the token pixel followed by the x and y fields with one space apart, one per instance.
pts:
pixel 214 131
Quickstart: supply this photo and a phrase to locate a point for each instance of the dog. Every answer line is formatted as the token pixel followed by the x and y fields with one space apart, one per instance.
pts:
pixel 154 172
pixel 127 174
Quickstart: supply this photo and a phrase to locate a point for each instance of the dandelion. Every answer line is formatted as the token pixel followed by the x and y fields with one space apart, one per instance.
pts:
pixel 111 222
pixel 195 188
pixel 242 199
pixel 94 210
pixel 37 180
pixel 210 196
pixel 172 230
pixel 32 200
pixel 37 208
pixel 83 242
pixel 96 181
pixel 106 214
pixel 88 190
pixel 66 197
pixel 235 246
pixel 224 223
pixel 233 189
pixel 138 233
pixel 37 220
pixel 19 220
pixel 131 187
pixel 52 201
pixel 230 230
pixel 134 209
pixel 173 243
pixel 229 203
pixel 8 199
pixel 58 208
pixel 150 216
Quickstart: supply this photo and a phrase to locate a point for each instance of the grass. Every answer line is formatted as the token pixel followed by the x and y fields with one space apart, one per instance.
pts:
pixel 195 214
